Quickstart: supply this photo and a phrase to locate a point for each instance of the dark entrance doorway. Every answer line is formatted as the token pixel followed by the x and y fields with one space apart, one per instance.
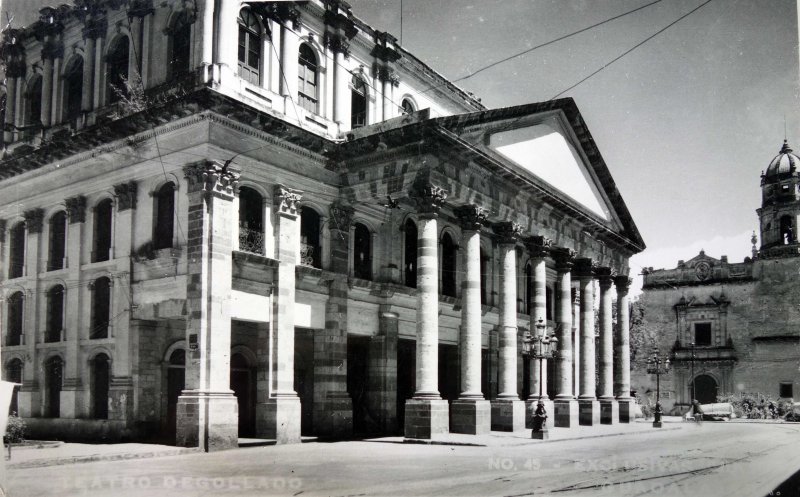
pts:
pixel 304 377
pixel 176 377
pixel 705 389
pixel 406 377
pixel 449 372
pixel 357 360
pixel 243 386
pixel 526 378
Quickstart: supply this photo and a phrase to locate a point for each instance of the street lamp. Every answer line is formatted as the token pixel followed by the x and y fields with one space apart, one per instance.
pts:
pixel 540 347
pixel 691 346
pixel 657 366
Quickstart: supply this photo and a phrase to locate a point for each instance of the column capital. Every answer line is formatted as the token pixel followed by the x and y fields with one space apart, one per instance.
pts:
pixel 52 49
pixel 283 13
pixel 508 232
pixel 623 283
pixel 428 197
pixel 342 216
pixel 539 246
pixel 140 8
pixel 605 276
pixel 564 257
pixel 126 195
pixel 286 199
pixel 33 220
pixel 76 209
pixel 94 28
pixel 212 178
pixel 471 217
pixel 585 268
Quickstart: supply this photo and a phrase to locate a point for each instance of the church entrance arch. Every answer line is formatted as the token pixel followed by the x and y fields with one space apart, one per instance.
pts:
pixel 705 389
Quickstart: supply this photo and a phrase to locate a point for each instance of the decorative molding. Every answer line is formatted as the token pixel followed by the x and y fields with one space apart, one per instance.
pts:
pixel 336 43
pixel 428 197
pixel 564 257
pixel 76 209
pixel 471 217
pixel 539 246
pixel 126 194
pixel 623 283
pixel 286 199
pixel 585 268
pixel 141 8
pixel 34 219
pixel 508 232
pixel 211 178
pixel 342 216
pixel 605 276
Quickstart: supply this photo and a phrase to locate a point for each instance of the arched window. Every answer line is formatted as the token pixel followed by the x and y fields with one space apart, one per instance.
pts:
pixel 180 48
pixel 16 309
pixel 55 314
pixel 58 240
pixel 310 249
pixel 249 47
pixel 14 375
pixel 251 221
pixel 164 216
pixel 100 382
pixel 408 106
pixel 73 88
pixel 362 252
pixel 33 102
pixel 102 231
pixel 484 277
pixel 53 374
pixel 307 79
pixel 787 231
pixel 358 103
pixel 16 259
pixel 449 255
pixel 101 308
pixel 527 303
pixel 410 266
pixel 117 70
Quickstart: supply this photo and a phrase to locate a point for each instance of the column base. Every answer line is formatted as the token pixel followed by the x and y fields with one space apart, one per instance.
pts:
pixel 589 412
pixel 27 403
pixel 609 412
pixel 625 410
pixel 471 416
pixel 334 417
pixel 209 420
pixel 508 415
pixel 68 403
pixel 279 418
pixel 120 395
pixel 566 413
pixel 425 418
pixel 656 424
pixel 530 409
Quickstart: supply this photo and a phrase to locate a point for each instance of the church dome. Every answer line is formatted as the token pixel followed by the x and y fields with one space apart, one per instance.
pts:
pixel 783 163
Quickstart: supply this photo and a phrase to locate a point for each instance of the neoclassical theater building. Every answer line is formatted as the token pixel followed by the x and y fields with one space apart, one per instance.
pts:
pixel 268 219
pixel 732 327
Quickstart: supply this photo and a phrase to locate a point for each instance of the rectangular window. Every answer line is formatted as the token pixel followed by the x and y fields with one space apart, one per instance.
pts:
pixel 702 334
pixel 786 391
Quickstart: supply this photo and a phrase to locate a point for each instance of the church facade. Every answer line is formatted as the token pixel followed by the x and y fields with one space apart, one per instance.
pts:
pixel 268 219
pixel 732 328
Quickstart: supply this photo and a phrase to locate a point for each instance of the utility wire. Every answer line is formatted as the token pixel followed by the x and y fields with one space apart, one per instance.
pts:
pixel 676 21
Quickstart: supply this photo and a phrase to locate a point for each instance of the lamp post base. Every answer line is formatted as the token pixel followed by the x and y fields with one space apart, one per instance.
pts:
pixel 656 424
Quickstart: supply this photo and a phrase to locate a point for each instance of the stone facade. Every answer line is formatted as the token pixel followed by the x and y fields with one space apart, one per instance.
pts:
pixel 732 327
pixel 296 240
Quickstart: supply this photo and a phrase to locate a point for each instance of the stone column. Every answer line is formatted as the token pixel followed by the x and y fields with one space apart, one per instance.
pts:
pixel 471 413
pixel 426 413
pixel 227 33
pixel 341 90
pixel 565 405
pixel 47 90
pixel 587 400
pixel 609 412
pixel 98 95
pixel 289 57
pixel 56 92
pixel 539 248
pixel 121 386
pixel 88 75
pixel 382 370
pixel 576 341
pixel 35 305
pixel 622 379
pixel 11 95
pixel 333 407
pixel 207 411
pixel 508 411
pixel 278 417
pixel 72 389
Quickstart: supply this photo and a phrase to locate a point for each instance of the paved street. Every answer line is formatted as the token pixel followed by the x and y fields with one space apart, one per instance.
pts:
pixel 730 459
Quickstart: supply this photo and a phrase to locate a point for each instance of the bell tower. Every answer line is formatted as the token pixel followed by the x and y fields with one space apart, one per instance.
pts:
pixel 780 204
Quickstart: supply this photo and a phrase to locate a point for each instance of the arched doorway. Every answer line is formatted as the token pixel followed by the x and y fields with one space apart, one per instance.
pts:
pixel 705 389
pixel 176 378
pixel 243 386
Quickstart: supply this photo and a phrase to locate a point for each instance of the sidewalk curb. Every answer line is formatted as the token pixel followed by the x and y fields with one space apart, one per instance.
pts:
pixel 418 441
pixel 60 461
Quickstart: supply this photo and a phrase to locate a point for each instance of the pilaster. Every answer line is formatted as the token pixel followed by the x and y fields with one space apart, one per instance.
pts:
pixel 207 411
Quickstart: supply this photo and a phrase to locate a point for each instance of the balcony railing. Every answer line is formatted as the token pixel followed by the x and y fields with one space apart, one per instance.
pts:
pixel 307 254
pixel 251 241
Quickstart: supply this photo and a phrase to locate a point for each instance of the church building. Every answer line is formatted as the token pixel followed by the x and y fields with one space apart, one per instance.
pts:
pixel 732 327
pixel 224 219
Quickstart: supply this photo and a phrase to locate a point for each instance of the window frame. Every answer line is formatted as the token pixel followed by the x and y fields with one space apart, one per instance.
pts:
pixel 102 253
pixel 54 248
pixel 252 33
pixel 163 236
pixel 695 330
pixel 117 69
pixel 308 102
